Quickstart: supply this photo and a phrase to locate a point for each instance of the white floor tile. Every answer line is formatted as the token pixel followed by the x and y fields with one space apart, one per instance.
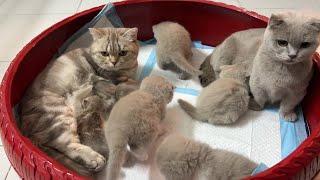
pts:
pixel 87 4
pixel 231 2
pixel 38 6
pixel 17 30
pixel 3 67
pixel 4 164
pixel 12 175
pixel 297 4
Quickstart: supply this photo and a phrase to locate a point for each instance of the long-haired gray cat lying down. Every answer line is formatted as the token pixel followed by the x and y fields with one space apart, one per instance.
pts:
pixel 179 158
pixel 280 58
pixel 224 100
pixel 135 121
pixel 46 117
pixel 173 49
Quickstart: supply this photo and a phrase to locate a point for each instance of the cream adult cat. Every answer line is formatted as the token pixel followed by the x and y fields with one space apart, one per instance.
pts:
pixel 46 117
pixel 279 58
pixel 135 121
pixel 179 158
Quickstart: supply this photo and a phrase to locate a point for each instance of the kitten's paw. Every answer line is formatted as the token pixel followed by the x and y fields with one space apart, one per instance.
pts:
pixel 290 116
pixel 253 105
pixel 95 161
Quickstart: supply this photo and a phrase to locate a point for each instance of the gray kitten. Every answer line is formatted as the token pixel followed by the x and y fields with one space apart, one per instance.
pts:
pixel 224 100
pixel 179 158
pixel 239 47
pixel 46 117
pixel 282 67
pixel 135 121
pixel 173 49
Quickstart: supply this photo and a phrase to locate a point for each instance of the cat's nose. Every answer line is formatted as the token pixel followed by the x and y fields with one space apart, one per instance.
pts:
pixel 292 56
pixel 113 61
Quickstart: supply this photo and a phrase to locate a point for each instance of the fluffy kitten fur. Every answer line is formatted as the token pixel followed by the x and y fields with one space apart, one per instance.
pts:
pixel 239 47
pixel 282 67
pixel 135 121
pixel 173 49
pixel 179 158
pixel 46 117
pixel 224 100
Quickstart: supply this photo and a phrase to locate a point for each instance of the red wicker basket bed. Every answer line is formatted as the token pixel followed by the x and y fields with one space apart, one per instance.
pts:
pixel 207 21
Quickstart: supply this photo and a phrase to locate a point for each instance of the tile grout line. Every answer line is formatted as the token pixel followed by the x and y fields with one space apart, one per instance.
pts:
pixel 79 5
pixel 8 173
pixel 3 2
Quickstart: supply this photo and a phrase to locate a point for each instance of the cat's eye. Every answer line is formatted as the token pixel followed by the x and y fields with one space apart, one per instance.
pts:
pixel 282 43
pixel 104 53
pixel 122 53
pixel 305 45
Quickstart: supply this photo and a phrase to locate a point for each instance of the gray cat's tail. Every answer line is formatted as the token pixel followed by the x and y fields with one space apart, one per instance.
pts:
pixel 183 64
pixel 67 162
pixel 190 110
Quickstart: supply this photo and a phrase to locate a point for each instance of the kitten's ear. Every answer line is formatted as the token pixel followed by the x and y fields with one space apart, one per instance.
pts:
pixel 276 20
pixel 315 23
pixel 131 34
pixel 96 33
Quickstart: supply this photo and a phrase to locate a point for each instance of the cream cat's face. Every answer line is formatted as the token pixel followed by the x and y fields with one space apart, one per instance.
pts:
pixel 114 48
pixel 292 38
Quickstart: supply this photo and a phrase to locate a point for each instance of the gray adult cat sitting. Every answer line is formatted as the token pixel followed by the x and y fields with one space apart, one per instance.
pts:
pixel 275 75
pixel 282 67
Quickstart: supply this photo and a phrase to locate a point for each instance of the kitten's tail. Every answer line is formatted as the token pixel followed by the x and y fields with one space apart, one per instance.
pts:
pixel 190 109
pixel 67 162
pixel 183 64
pixel 116 159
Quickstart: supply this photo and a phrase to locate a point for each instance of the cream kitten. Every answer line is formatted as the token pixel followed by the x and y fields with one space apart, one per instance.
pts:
pixel 173 49
pixel 135 121
pixel 224 100
pixel 179 158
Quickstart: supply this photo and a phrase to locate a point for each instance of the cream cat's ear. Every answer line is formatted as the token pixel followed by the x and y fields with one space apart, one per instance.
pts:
pixel 96 33
pixel 131 34
pixel 276 20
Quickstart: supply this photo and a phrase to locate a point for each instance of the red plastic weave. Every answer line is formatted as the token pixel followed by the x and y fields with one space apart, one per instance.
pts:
pixel 207 21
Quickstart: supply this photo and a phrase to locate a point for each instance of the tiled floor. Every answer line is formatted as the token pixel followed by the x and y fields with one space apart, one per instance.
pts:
pixel 21 20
